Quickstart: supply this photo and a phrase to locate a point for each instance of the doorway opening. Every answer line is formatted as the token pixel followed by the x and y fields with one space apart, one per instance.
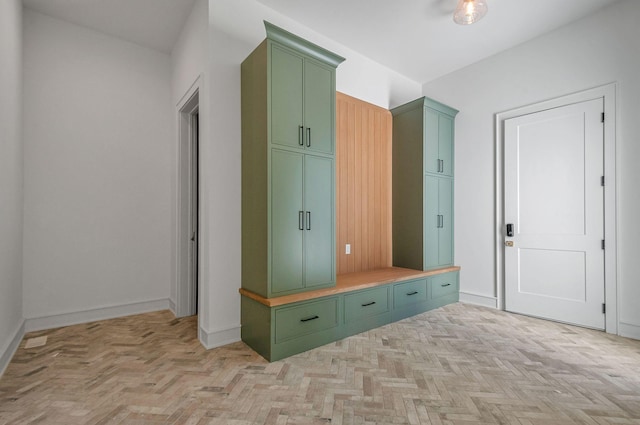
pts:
pixel 188 205
pixel 512 238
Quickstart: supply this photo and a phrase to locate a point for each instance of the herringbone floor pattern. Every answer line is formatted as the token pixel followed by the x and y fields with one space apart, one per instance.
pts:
pixel 456 365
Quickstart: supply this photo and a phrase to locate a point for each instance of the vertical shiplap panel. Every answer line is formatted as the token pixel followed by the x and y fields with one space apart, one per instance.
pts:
pixel 341 180
pixel 363 170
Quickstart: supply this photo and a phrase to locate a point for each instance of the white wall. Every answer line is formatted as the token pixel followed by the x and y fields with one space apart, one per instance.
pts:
pixel 11 153
pixel 98 157
pixel 358 76
pixel 597 50
pixel 235 29
pixel 188 63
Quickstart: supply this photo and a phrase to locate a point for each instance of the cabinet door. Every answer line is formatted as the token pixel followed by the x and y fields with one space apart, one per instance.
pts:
pixel 438 143
pixel 438 222
pixel 286 221
pixel 431 223
pixel 431 136
pixel 445 233
pixel 319 218
pixel 445 144
pixel 286 97
pixel 319 107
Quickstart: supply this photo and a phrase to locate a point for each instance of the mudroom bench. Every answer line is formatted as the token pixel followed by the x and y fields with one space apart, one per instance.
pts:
pixel 282 326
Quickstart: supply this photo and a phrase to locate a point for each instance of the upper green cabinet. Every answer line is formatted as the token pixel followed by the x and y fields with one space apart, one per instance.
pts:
pixel 302 101
pixel 438 141
pixel 288 166
pixel 423 146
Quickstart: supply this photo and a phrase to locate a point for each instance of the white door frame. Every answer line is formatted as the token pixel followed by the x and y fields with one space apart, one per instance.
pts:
pixel 185 293
pixel 608 93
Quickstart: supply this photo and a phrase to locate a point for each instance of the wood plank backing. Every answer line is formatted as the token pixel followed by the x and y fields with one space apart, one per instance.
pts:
pixel 363 185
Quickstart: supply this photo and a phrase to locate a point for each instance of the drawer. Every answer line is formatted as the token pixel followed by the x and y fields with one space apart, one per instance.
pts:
pixel 408 293
pixel 366 303
pixel 305 318
pixel 444 284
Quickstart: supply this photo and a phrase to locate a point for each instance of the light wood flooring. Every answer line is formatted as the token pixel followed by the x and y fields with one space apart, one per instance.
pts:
pixel 460 364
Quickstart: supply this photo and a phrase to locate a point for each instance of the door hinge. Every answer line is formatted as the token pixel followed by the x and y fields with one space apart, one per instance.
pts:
pixel 604 308
pixel 603 244
pixel 602 181
pixel 602 117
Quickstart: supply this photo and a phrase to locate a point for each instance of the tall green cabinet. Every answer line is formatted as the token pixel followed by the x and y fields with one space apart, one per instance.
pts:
pixel 288 166
pixel 423 146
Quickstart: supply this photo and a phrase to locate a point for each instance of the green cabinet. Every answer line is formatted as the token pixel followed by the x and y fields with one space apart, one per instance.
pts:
pixel 283 330
pixel 288 166
pixel 423 157
pixel 301 221
pixel 438 141
pixel 302 101
pixel 438 222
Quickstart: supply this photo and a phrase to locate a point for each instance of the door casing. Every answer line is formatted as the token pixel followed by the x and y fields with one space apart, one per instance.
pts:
pixel 186 292
pixel 608 94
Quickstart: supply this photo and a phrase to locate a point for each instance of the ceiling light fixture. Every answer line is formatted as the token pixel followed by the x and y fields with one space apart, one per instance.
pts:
pixel 469 11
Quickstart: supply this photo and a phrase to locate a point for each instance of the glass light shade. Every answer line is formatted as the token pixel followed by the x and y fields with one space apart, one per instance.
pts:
pixel 469 11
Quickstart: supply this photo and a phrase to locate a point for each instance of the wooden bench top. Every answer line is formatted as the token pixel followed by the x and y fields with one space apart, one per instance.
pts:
pixel 350 282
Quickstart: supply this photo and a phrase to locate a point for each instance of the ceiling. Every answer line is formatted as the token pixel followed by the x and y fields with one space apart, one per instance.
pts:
pixel 419 39
pixel 152 23
pixel 416 38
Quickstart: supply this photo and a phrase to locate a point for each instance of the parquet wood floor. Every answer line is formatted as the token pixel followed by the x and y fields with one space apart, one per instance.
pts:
pixel 456 365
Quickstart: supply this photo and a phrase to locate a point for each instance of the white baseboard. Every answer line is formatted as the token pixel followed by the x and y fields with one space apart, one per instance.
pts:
pixel 10 349
pixel 172 306
pixel 102 313
pixel 219 337
pixel 628 330
pixel 477 299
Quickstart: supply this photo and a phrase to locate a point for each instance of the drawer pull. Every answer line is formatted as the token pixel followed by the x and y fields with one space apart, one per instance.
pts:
pixel 445 284
pixel 368 304
pixel 412 293
pixel 310 318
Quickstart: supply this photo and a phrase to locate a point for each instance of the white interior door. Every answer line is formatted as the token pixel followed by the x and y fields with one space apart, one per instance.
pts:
pixel 554 204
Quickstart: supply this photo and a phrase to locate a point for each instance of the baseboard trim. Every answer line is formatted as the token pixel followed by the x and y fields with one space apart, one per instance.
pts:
pixel 477 299
pixel 219 337
pixel 101 313
pixel 10 349
pixel 172 306
pixel 628 330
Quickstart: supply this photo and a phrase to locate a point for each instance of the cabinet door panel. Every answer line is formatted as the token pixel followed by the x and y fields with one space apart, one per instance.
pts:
pixel 319 231
pixel 445 144
pixel 445 236
pixel 286 97
pixel 319 107
pixel 286 236
pixel 431 135
pixel 431 221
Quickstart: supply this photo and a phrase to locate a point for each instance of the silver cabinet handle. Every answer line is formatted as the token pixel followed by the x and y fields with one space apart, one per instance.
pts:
pixel 308 220
pixel 308 137
pixel 300 220
pixel 301 135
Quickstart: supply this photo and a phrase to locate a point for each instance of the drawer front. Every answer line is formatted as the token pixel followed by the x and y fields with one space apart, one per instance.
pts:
pixel 305 318
pixel 409 293
pixel 444 284
pixel 366 303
